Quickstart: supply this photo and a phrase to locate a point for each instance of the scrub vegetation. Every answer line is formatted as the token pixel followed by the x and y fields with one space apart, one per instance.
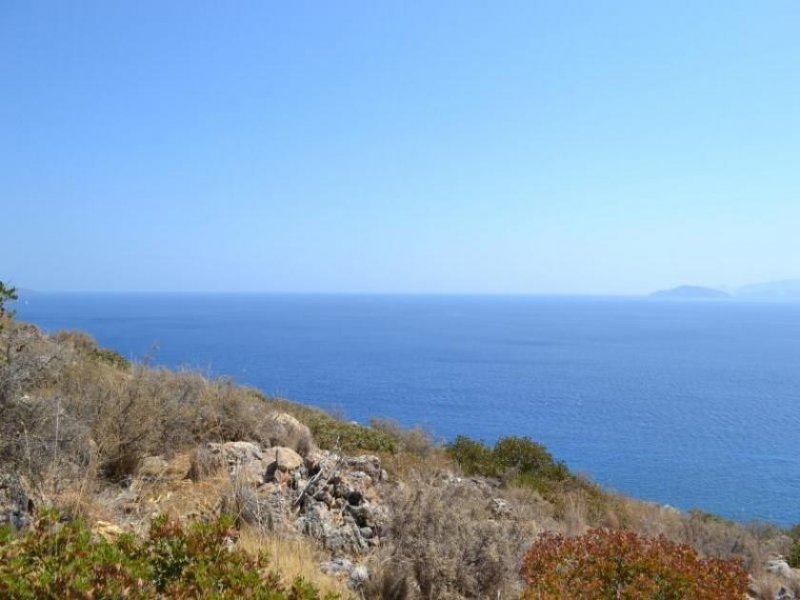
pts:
pixel 120 451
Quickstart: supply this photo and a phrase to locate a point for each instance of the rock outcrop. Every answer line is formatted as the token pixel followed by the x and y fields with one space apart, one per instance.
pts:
pixel 332 498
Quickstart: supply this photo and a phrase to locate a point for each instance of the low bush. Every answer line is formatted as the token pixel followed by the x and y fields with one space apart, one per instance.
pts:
pixel 793 556
pixel 415 441
pixel 474 458
pixel 86 346
pixel 64 561
pixel 68 405
pixel 605 564
pixel 446 540
pixel 516 460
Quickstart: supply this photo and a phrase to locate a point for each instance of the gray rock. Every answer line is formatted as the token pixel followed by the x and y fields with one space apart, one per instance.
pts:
pixel 359 576
pixel 337 566
pixel 244 460
pixel 361 515
pixel 16 507
pixel 251 472
pixel 240 452
pixel 285 430
pixel 778 566
pixel 371 465
pixel 500 507
pixel 283 459
pixel 316 516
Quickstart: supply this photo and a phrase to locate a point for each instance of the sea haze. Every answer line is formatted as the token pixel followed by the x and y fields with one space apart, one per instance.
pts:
pixel 693 404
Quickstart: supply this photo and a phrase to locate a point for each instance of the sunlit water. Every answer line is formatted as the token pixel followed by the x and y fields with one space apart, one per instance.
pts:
pixel 693 404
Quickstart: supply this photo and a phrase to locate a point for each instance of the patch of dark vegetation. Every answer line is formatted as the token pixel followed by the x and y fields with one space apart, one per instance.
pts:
pixel 515 461
pixel 66 561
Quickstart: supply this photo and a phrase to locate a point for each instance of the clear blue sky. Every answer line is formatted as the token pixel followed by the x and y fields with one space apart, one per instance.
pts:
pixel 556 147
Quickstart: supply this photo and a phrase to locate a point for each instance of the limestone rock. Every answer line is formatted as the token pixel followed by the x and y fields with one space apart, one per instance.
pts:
pixel 283 459
pixel 371 465
pixel 245 461
pixel 285 430
pixel 234 452
pixel 778 566
pixel 251 472
pixel 337 566
pixel 359 576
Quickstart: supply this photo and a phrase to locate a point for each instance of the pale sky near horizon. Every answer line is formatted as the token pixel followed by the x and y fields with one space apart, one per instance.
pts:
pixel 489 147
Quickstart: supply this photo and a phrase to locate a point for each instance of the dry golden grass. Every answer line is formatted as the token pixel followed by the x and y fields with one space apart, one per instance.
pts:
pixel 575 515
pixel 447 540
pixel 292 557
pixel 765 587
pixel 402 465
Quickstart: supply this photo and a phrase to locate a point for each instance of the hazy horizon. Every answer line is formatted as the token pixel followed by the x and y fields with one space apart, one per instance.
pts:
pixel 526 148
pixel 734 292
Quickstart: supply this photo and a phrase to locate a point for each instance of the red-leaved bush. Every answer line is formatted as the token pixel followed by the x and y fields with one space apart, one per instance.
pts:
pixel 615 565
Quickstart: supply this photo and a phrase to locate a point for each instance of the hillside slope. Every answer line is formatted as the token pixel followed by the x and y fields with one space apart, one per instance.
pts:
pixel 378 511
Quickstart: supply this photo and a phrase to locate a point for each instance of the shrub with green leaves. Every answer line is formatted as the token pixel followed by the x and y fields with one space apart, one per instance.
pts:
pixel 65 561
pixel 517 460
pixel 474 458
pixel 793 558
pixel 8 294
pixel 603 564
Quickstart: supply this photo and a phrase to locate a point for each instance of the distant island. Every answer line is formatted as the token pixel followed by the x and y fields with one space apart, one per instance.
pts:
pixel 691 292
pixel 788 289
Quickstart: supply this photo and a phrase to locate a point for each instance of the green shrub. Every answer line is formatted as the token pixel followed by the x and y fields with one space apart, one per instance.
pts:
pixel 8 294
pixel 517 460
pixel 604 564
pixel 474 458
pixel 111 357
pixel 86 345
pixel 793 557
pixel 707 517
pixel 528 462
pixel 64 561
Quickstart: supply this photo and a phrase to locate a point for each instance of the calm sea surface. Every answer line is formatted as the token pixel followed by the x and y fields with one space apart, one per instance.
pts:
pixel 693 404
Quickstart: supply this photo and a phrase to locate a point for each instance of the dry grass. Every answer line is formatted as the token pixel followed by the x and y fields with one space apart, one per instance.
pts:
pixel 66 404
pixel 205 464
pixel 575 519
pixel 711 536
pixel 414 441
pixel 447 542
pixel 402 465
pixel 765 587
pixel 292 557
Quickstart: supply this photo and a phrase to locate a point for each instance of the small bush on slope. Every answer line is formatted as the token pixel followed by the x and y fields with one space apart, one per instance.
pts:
pixel 604 564
pixel 446 542
pixel 55 561
pixel 516 460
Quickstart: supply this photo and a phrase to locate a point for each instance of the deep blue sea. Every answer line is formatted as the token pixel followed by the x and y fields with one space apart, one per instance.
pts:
pixel 693 404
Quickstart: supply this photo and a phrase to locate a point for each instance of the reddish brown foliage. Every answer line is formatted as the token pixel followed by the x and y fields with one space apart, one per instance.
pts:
pixel 603 564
